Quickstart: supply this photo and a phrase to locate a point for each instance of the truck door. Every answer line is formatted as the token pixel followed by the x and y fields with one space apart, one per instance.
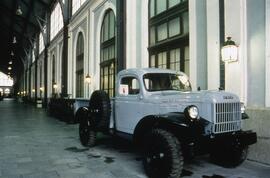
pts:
pixel 127 104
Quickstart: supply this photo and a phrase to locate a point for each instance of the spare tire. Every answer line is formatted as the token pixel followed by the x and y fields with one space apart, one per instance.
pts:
pixel 100 110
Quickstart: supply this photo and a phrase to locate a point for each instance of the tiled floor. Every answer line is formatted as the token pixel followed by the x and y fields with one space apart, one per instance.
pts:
pixel 35 145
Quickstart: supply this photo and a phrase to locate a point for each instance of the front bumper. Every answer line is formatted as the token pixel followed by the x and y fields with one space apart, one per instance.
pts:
pixel 242 138
pixel 204 144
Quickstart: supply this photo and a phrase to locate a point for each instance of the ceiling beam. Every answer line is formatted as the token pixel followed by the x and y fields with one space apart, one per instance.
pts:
pixel 29 11
pixel 43 3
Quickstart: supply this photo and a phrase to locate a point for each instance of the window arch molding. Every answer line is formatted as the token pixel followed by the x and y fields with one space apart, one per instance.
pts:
pixel 108 57
pixel 107 6
pixel 80 30
pixel 79 61
pixel 56 19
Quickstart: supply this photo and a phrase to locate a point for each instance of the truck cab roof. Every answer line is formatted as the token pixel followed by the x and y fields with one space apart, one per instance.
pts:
pixel 142 71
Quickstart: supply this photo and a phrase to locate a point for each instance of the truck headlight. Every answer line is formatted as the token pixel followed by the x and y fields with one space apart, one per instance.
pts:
pixel 192 112
pixel 243 108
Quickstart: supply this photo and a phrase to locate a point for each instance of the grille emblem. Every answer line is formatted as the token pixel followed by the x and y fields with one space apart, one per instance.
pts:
pixel 228 97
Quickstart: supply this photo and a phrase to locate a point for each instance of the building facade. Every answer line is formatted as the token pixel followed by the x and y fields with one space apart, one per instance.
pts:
pixel 97 38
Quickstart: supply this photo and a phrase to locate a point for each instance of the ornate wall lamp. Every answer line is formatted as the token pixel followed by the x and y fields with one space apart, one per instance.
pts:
pixel 88 79
pixel 55 86
pixel 229 51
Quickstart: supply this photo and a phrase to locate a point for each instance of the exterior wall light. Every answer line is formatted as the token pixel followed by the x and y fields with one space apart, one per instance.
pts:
pixel 88 79
pixel 10 62
pixel 54 85
pixel 14 40
pixel 19 11
pixel 9 68
pixel 229 51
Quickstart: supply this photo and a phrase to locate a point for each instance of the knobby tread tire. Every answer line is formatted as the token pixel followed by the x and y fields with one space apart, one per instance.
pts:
pixel 86 131
pixel 100 109
pixel 171 147
pixel 229 157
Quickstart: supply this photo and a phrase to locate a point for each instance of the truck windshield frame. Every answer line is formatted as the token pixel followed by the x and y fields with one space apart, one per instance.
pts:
pixel 166 82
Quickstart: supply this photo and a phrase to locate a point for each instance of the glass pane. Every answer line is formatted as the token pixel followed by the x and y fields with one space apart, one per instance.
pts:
pixel 177 66
pixel 186 56
pixel 112 21
pixel 174 27
pixel 106 56
pixel 111 52
pixel 101 83
pixel 102 33
pixel 161 6
pixel 106 84
pixel 185 22
pixel 172 66
pixel 101 55
pixel 187 67
pixel 152 8
pixel 105 70
pixel 159 58
pixel 152 63
pixel 152 35
pixel 187 60
pixel 172 56
pixel 162 60
pixel 162 32
pixel 106 28
pixel 173 2
pixel 177 55
pixel 187 53
pixel 175 59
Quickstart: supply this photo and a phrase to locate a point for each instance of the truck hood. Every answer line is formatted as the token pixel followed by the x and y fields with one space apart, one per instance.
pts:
pixel 204 96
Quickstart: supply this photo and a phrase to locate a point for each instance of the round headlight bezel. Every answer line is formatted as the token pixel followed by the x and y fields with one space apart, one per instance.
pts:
pixel 192 112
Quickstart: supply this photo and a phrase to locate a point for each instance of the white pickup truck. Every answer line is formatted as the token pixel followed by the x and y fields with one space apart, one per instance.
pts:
pixel 157 109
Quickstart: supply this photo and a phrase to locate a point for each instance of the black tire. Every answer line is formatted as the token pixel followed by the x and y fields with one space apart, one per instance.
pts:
pixel 162 155
pixel 100 109
pixel 80 114
pixel 229 157
pixel 86 131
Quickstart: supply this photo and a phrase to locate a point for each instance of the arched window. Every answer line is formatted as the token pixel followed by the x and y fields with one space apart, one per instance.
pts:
pixel 76 4
pixel 41 40
pixel 169 34
pixel 5 80
pixel 53 75
pixel 108 54
pixel 57 22
pixel 79 66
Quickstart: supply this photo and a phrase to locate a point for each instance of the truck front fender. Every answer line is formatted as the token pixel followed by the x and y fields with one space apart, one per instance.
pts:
pixel 176 123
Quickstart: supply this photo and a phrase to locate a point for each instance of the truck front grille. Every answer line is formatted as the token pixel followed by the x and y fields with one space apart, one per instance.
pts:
pixel 227 117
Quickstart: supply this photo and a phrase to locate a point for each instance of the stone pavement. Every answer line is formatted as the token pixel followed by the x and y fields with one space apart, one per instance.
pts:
pixel 33 145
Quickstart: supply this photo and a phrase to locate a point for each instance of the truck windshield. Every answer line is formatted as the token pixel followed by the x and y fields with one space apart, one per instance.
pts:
pixel 164 81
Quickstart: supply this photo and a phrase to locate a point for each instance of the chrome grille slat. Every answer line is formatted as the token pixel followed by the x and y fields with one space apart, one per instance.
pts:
pixel 227 117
